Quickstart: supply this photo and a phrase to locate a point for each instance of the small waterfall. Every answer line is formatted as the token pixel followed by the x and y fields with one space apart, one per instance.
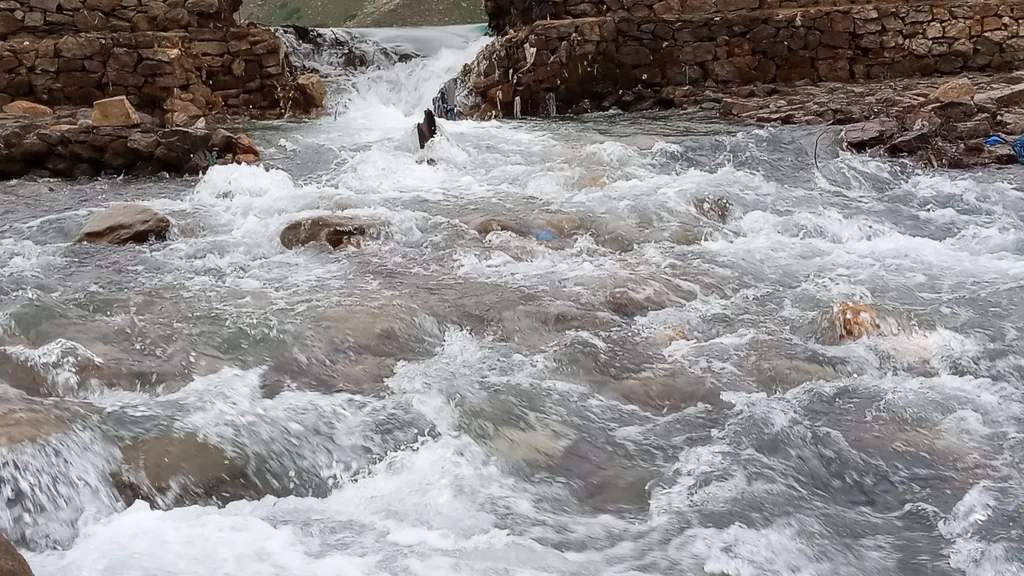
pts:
pixel 328 50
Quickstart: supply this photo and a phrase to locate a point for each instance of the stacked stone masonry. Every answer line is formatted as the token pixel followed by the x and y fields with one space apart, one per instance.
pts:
pixel 600 62
pixel 74 52
pixel 505 14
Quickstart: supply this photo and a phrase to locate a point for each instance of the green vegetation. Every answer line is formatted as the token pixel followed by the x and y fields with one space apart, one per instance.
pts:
pixel 366 13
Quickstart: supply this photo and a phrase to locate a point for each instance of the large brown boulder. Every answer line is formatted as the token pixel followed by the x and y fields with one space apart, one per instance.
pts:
pixel 336 230
pixel 173 470
pixel 125 224
pixel 12 563
pixel 312 93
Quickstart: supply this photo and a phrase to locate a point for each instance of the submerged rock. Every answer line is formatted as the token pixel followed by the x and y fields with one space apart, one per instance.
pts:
pixel 336 230
pixel 667 393
pixel 12 563
pixel 26 421
pixel 174 470
pixel 545 226
pixel 125 224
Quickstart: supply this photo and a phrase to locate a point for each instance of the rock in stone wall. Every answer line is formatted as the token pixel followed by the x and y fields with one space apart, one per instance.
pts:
pixel 505 14
pixel 597 63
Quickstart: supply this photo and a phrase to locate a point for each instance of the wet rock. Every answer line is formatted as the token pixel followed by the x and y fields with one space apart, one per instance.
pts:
pixel 116 111
pixel 848 322
pixel 312 92
pixel 222 141
pixel 426 130
pixel 28 109
pixel 667 393
pixel 336 230
pixel 247 159
pixel 485 225
pixel 864 135
pixel 243 144
pixel 638 299
pixel 546 226
pixel 366 374
pixel 12 563
pixel 561 223
pixel 542 322
pixel 23 422
pixel 175 470
pixel 714 208
pixel 910 143
pixel 959 90
pixel 125 224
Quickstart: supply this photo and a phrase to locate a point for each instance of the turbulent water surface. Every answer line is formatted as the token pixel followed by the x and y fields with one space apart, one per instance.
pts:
pixel 649 396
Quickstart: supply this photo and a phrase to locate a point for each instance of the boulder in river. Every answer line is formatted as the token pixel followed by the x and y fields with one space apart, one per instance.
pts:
pixel 174 470
pixel 312 93
pixel 336 230
pixel 848 322
pixel 125 224
pixel 12 563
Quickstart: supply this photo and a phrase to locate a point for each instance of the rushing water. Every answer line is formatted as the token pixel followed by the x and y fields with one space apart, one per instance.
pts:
pixel 645 398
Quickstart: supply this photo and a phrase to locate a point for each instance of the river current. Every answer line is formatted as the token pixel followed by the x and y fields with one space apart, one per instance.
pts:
pixel 648 397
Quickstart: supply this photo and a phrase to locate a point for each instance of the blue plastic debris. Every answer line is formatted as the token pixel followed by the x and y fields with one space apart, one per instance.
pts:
pixel 546 236
pixel 1018 149
pixel 995 140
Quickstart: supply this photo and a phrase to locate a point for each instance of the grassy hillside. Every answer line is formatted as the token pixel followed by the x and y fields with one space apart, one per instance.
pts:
pixel 365 13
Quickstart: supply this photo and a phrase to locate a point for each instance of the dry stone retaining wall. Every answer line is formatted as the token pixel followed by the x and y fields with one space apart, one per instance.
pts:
pixel 61 52
pixel 597 63
pixel 505 14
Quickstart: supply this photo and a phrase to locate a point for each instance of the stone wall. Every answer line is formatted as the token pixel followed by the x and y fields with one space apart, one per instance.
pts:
pixel 505 14
pixel 70 52
pixel 602 62
pixel 114 15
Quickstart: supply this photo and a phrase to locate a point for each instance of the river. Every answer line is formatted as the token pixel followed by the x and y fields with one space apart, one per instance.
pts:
pixel 645 398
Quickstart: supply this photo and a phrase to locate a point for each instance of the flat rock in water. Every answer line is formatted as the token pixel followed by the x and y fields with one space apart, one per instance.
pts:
pixel 12 563
pixel 125 224
pixel 337 231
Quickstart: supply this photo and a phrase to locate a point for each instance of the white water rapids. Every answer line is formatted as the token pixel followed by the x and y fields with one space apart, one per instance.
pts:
pixel 647 398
